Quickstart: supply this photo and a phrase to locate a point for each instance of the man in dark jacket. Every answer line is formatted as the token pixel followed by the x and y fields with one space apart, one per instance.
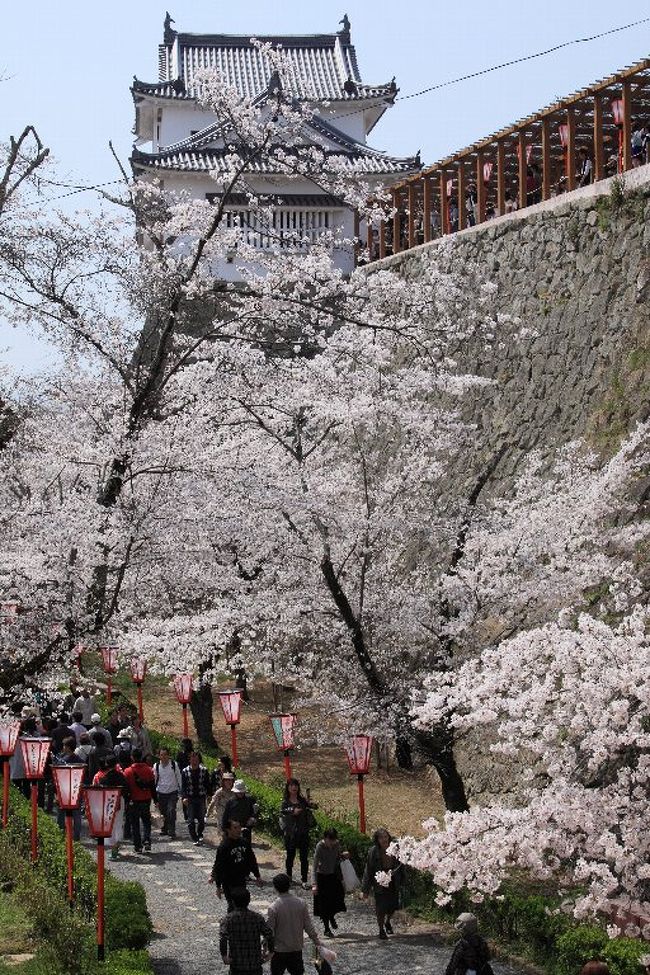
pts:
pixel 233 864
pixel 141 782
pixel 195 788
pixel 241 807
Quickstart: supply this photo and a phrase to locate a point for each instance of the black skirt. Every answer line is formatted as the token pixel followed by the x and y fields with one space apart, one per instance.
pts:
pixel 330 899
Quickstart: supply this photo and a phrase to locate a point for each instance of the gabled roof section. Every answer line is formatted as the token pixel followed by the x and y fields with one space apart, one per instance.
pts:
pixel 364 162
pixel 323 66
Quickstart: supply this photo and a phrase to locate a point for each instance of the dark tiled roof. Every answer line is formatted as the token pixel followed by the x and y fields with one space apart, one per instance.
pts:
pixel 363 162
pixel 323 66
pixel 321 200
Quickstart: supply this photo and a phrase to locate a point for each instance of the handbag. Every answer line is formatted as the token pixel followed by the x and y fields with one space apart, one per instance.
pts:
pixel 349 876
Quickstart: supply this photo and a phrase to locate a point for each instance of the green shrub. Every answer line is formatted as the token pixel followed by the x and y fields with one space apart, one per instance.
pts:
pixel 622 955
pixel 128 924
pixel 577 946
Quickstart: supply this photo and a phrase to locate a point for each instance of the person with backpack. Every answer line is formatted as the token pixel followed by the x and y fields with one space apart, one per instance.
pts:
pixel 195 780
pixel 167 777
pixel 296 820
pixel 471 953
pixel 142 789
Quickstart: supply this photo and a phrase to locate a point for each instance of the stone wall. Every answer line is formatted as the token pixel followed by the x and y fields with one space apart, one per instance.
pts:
pixel 572 280
pixel 571 355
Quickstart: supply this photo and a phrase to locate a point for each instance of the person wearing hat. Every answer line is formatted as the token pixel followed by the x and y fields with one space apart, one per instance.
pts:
pixel 97 726
pixel 221 798
pixel 241 807
pixel 122 749
pixel 471 955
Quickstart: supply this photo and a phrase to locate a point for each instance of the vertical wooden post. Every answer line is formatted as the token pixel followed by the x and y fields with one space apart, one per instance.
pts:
pixel 480 189
pixel 396 222
pixel 546 158
pixel 383 230
pixel 427 207
pixel 627 125
pixel 571 148
pixel 501 177
pixel 356 237
pixel 411 221
pixel 523 170
pixel 462 212
pixel 369 238
pixel 599 155
pixel 444 203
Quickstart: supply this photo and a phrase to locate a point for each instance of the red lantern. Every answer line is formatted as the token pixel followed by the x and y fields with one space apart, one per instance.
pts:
pixel 283 727
pixel 529 152
pixel 34 755
pixel 563 129
pixel 450 187
pixel 9 732
pixel 231 707
pixel 68 780
pixel 618 112
pixel 359 753
pixel 109 660
pixel 138 667
pixel 183 689
pixel 102 806
pixel 487 171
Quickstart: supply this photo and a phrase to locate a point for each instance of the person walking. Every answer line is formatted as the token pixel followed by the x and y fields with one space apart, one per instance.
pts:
pixel 100 749
pixel 289 920
pixel 77 727
pixel 122 749
pixel 195 784
pixel 241 807
pixel 140 779
pixel 297 819
pixel 167 777
pixel 386 897
pixel 233 863
pixel 221 798
pixel 216 776
pixel 97 726
pixel 140 739
pixel 242 933
pixel 471 952
pixel 329 895
pixel 86 706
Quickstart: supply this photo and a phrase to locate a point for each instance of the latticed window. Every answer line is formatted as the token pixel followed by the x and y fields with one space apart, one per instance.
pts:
pixel 293 227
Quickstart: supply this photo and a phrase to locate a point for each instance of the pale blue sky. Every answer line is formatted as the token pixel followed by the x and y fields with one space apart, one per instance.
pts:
pixel 68 66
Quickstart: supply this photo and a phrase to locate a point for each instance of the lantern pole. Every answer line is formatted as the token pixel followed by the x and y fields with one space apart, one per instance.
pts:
pixel 362 804
pixel 6 777
pixel 186 726
pixel 34 799
pixel 69 849
pixel 233 745
pixel 287 763
pixel 140 705
pixel 100 898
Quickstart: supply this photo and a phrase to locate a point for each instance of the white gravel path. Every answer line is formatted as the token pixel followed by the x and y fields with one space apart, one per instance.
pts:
pixel 186 913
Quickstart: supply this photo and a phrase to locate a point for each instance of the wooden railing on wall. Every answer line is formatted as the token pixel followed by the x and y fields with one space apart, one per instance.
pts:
pixel 533 160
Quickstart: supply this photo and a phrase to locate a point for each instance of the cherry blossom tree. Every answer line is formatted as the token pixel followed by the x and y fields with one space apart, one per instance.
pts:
pixel 566 703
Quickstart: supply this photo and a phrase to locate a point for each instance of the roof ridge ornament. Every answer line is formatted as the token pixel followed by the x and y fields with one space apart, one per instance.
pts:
pixel 345 33
pixel 169 35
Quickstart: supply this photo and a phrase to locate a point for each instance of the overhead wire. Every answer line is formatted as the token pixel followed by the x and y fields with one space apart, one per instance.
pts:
pixel 76 188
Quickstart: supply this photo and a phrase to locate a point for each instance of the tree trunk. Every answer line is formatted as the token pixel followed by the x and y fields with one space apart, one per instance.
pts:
pixel 201 708
pixel 437 749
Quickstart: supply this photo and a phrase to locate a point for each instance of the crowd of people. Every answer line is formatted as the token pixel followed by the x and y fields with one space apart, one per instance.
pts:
pixel 119 755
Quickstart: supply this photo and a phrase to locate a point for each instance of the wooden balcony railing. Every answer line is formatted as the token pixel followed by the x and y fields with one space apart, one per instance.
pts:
pixel 582 139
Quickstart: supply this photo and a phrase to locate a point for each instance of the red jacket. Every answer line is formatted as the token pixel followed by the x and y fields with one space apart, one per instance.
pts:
pixel 140 772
